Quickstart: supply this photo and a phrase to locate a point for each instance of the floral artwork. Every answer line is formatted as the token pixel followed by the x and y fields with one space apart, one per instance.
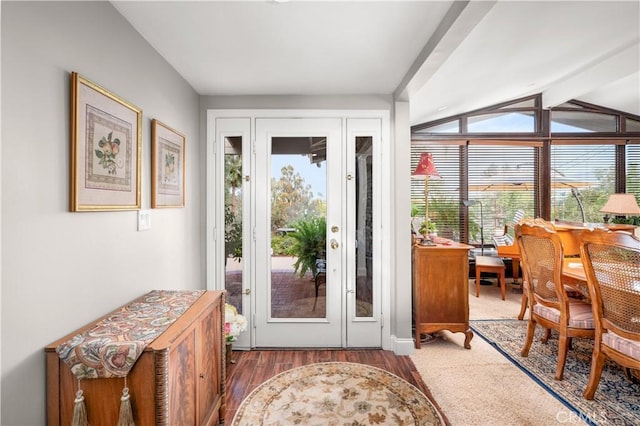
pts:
pixel 108 153
pixel 167 166
pixel 234 323
pixel 105 149
pixel 169 176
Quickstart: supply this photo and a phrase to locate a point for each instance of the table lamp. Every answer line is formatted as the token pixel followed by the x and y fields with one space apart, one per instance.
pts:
pixel 620 205
pixel 426 169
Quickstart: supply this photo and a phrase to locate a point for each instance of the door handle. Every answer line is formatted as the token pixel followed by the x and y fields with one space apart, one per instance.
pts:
pixel 334 244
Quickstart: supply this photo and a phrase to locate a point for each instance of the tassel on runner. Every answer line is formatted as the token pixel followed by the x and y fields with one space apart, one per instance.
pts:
pixel 79 409
pixel 126 413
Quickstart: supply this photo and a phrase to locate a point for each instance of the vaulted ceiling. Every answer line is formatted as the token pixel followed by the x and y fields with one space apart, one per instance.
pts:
pixel 445 57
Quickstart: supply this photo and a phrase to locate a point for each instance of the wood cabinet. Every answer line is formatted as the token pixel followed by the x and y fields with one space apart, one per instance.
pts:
pixel 178 380
pixel 441 290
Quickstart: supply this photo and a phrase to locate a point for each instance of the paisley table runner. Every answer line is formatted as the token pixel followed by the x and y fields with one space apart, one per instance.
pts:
pixel 112 346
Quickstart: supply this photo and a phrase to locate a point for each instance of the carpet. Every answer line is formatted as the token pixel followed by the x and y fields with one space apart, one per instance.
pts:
pixel 336 393
pixel 615 401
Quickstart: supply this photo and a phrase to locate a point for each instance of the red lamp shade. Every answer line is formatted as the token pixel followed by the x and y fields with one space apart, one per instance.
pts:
pixel 426 167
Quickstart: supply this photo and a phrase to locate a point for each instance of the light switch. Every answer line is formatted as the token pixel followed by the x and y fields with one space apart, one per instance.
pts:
pixel 144 220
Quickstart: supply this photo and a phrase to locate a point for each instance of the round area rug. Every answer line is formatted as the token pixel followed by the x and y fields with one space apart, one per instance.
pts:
pixel 336 393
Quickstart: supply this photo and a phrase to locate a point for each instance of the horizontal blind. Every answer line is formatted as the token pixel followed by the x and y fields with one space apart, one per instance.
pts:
pixel 633 170
pixel 585 172
pixel 444 193
pixel 502 178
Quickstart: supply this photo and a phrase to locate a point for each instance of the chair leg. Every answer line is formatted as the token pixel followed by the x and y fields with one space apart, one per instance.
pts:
pixel 597 363
pixel 503 284
pixel 478 274
pixel 531 328
pixel 563 349
pixel 523 305
pixel 547 334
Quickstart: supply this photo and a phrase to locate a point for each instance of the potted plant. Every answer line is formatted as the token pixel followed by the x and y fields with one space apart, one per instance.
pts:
pixel 234 324
pixel 432 229
pixel 429 229
pixel 310 242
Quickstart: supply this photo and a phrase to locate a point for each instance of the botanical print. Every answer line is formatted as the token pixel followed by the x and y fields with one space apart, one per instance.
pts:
pixel 108 153
pixel 169 165
pixel 109 164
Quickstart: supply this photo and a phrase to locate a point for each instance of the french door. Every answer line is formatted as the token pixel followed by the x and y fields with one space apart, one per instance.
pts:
pixel 302 194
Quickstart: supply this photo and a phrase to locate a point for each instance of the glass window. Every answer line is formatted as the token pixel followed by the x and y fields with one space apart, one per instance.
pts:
pixel 502 179
pixel 443 193
pixel 528 103
pixel 503 122
pixel 448 127
pixel 582 177
pixel 582 122
pixel 633 125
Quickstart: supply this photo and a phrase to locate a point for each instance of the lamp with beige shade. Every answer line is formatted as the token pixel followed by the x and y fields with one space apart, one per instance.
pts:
pixel 620 205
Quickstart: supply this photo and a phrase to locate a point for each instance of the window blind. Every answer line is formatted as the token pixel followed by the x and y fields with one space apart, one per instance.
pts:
pixel 503 179
pixel 583 171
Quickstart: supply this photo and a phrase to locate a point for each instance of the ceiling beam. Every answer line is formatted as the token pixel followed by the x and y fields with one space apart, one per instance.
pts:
pixel 461 18
pixel 607 69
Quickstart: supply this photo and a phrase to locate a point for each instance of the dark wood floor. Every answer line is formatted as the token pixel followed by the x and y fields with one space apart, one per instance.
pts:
pixel 251 368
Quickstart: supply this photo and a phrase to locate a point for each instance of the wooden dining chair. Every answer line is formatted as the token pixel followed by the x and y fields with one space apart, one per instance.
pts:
pixel 612 264
pixel 549 306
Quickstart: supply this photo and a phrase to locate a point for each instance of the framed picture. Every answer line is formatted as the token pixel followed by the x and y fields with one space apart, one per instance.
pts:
pixel 106 146
pixel 167 166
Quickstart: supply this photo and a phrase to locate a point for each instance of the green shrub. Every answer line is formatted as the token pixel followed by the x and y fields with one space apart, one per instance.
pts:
pixel 310 242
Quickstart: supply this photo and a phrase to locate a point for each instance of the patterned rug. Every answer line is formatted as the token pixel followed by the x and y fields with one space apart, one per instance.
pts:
pixel 336 393
pixel 615 401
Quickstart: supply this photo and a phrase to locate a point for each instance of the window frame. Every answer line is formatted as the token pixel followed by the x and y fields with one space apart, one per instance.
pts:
pixel 542 138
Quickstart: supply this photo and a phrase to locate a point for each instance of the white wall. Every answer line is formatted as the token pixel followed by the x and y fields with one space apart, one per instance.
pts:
pixel 61 270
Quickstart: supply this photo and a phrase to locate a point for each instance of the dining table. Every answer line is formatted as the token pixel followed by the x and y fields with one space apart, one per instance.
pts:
pixel 574 275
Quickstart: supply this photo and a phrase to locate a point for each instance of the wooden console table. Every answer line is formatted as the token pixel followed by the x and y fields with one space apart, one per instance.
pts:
pixel 441 290
pixel 178 380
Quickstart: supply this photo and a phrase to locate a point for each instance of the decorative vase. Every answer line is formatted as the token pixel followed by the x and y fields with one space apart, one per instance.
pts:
pixel 227 357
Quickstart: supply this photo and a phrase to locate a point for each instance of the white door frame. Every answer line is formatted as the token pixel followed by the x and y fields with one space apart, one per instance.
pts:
pixel 215 182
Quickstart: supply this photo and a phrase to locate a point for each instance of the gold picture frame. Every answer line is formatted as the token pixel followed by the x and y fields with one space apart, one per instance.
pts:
pixel 106 148
pixel 167 166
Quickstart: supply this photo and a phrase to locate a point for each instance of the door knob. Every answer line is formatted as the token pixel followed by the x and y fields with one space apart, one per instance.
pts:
pixel 334 244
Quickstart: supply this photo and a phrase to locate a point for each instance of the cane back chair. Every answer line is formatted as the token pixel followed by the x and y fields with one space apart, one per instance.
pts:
pixel 549 306
pixel 612 265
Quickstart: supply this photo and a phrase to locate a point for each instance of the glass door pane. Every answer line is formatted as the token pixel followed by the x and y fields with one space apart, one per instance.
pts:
pixel 364 226
pixel 233 223
pixel 362 253
pixel 299 182
pixel 298 227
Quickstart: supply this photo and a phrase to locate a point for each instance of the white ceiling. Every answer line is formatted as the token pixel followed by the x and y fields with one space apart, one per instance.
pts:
pixel 445 57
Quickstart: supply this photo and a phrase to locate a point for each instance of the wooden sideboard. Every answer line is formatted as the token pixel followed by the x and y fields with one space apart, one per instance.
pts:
pixel 441 290
pixel 178 380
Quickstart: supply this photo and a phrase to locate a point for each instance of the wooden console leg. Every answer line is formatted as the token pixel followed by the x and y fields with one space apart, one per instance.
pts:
pixel 467 339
